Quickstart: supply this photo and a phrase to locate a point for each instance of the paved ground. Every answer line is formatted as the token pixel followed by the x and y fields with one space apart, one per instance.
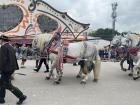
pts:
pixel 115 87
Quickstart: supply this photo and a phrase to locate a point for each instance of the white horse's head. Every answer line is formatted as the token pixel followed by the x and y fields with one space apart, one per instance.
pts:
pixel 126 41
pixel 116 41
pixel 44 40
pixel 41 40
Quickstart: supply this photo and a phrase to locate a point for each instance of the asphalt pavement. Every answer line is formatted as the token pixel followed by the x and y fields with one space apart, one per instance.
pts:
pixel 114 87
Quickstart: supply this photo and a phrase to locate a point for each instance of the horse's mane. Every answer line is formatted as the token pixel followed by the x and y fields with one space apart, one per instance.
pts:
pixel 41 40
pixel 135 38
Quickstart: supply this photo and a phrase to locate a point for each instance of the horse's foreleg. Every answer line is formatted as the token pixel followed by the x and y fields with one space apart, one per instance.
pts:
pixel 51 73
pixel 97 68
pixel 84 78
pixel 13 76
pixel 84 75
pixel 136 72
pixel 121 64
pixel 59 76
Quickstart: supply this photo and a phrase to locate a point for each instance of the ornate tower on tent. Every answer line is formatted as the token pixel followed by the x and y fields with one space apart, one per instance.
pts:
pixel 114 16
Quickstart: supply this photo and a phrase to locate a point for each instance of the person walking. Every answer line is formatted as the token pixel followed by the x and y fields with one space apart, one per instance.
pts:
pixel 36 57
pixel 24 55
pixel 43 58
pixel 8 64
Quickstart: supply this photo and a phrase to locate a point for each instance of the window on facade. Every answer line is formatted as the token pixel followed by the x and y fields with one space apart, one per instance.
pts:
pixel 10 17
pixel 47 24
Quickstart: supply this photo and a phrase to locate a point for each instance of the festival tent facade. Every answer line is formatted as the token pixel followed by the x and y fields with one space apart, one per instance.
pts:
pixel 22 20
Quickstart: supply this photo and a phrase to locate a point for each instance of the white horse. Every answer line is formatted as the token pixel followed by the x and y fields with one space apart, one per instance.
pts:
pixel 118 45
pixel 78 50
pixel 132 41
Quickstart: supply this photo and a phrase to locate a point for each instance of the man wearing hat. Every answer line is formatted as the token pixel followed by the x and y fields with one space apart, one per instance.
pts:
pixel 8 64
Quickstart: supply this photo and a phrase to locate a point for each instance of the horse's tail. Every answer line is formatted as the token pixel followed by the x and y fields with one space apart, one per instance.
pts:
pixel 97 66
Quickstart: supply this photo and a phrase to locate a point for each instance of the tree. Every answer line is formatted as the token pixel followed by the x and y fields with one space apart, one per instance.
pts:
pixel 106 34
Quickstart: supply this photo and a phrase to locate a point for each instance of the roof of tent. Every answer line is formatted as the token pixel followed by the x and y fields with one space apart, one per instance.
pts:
pixel 28 15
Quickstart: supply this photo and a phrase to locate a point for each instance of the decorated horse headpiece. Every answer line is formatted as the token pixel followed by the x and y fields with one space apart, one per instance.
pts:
pixel 57 36
pixel 54 42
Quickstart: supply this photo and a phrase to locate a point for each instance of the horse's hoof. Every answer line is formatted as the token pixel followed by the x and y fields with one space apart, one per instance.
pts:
pixel 22 67
pixel 35 69
pixel 74 64
pixel 59 79
pixel 135 78
pixel 95 80
pixel 47 78
pixel 83 82
pixel 78 76
pixel 124 69
pixel 130 74
pixel 12 78
pixel 57 82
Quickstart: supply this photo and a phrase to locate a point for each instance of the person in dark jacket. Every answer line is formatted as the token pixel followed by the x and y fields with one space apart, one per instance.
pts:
pixel 43 58
pixel 8 64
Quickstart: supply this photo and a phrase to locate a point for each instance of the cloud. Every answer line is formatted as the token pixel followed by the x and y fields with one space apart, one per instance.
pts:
pixel 98 13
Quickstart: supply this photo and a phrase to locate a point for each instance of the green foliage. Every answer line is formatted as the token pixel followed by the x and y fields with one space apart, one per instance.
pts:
pixel 106 34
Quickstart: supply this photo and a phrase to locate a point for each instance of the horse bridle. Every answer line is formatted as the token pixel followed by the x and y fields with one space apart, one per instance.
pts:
pixel 55 39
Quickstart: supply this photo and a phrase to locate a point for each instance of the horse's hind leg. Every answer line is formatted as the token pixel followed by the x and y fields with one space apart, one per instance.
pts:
pixel 13 76
pixel 60 73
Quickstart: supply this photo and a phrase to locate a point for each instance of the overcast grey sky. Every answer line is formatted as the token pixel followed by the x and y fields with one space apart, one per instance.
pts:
pixel 98 13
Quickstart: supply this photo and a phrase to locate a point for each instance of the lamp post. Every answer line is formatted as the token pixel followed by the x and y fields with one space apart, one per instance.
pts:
pixel 114 16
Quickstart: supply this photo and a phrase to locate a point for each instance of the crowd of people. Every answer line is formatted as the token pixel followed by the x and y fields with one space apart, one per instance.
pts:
pixel 107 54
pixel 25 52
